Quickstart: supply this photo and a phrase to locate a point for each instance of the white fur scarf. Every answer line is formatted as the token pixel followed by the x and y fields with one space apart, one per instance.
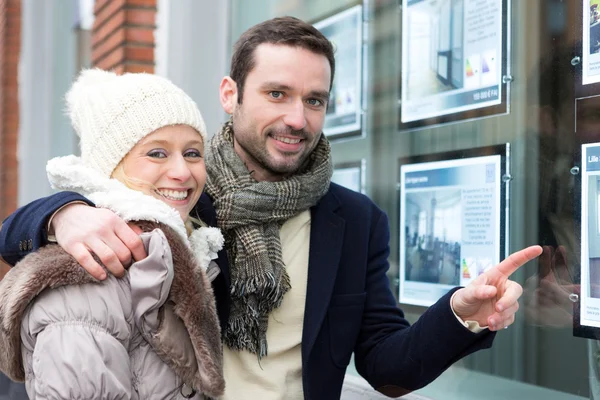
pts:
pixel 69 173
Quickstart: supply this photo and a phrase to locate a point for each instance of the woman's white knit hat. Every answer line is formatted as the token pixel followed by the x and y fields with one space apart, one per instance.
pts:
pixel 111 113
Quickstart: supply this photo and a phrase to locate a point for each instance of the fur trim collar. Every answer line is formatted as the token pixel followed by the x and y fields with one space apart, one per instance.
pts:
pixel 70 173
pixel 191 301
pixel 47 268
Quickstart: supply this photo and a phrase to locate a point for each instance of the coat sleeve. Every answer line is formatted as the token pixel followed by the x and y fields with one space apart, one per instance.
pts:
pixel 394 357
pixel 75 343
pixel 24 231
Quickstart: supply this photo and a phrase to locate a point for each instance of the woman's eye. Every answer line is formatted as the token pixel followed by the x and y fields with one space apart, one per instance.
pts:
pixel 193 154
pixel 157 154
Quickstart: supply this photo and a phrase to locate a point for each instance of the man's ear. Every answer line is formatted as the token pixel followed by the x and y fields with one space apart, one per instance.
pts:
pixel 228 94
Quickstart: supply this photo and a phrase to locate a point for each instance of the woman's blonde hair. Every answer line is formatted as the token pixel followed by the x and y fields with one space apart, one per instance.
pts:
pixel 138 184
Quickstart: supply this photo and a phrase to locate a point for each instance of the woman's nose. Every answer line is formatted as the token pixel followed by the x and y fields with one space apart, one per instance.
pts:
pixel 178 169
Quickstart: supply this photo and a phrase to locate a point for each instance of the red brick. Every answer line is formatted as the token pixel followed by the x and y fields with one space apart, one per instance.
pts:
pixel 123 35
pixel 13 57
pixel 10 191
pixel 140 35
pixel 102 33
pixel 114 40
pixel 145 54
pixel 99 5
pixel 10 125
pixel 135 67
pixel 10 205
pixel 11 177
pixel 12 164
pixel 142 3
pixel 107 13
pixel 119 69
pixel 112 59
pixel 10 139
pixel 10 38
pixel 141 17
pixel 11 30
pixel 10 120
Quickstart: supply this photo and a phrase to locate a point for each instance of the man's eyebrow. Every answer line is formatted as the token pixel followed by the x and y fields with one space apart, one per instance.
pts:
pixel 275 86
pixel 321 94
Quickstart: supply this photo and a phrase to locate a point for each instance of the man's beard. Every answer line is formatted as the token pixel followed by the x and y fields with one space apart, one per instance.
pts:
pixel 261 156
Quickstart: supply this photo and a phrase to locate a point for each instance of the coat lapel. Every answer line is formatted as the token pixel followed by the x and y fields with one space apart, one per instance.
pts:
pixel 326 240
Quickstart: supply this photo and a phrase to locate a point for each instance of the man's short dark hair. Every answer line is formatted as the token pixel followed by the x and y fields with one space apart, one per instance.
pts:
pixel 287 31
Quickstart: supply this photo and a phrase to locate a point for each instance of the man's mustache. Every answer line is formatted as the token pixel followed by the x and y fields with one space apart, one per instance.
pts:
pixel 301 134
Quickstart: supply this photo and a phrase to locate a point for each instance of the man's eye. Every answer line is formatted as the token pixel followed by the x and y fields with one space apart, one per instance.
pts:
pixel 157 154
pixel 276 94
pixel 315 102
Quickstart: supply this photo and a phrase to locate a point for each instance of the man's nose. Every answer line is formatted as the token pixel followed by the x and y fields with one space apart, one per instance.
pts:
pixel 295 116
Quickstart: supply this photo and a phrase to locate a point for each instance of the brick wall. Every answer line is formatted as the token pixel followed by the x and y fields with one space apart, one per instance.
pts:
pixel 123 35
pixel 10 48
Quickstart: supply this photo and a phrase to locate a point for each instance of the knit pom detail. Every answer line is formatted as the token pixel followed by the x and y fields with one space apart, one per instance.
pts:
pixel 87 78
pixel 95 76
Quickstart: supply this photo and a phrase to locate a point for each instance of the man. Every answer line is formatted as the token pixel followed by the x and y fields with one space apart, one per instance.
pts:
pixel 308 258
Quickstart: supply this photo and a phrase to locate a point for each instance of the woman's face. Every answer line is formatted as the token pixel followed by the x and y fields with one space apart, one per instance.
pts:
pixel 169 164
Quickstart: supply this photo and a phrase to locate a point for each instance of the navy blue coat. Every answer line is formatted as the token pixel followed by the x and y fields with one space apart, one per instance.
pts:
pixel 349 305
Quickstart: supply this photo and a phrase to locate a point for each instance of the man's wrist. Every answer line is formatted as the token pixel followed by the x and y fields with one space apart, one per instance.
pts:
pixel 49 228
pixel 473 326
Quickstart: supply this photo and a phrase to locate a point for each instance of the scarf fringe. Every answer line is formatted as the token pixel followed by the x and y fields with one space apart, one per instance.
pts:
pixel 243 333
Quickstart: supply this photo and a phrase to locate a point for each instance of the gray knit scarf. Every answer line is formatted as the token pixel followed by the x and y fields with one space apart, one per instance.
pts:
pixel 250 214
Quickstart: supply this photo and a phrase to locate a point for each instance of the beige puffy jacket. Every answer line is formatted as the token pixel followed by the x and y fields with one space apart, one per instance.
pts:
pixel 151 335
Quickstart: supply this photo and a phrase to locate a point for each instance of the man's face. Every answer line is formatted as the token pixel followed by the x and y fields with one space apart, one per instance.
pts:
pixel 281 117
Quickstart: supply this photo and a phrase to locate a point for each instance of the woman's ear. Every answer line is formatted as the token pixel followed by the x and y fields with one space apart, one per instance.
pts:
pixel 228 94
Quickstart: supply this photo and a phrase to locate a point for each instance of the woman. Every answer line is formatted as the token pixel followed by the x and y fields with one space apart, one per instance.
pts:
pixel 155 333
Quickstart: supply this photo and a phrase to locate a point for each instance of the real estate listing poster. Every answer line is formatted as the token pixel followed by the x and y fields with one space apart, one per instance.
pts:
pixel 350 175
pixel 344 111
pixel 591 42
pixel 589 310
pixel 453 219
pixel 454 56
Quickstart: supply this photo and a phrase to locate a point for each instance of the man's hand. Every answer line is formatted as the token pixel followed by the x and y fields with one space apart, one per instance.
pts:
pixel 491 299
pixel 82 230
